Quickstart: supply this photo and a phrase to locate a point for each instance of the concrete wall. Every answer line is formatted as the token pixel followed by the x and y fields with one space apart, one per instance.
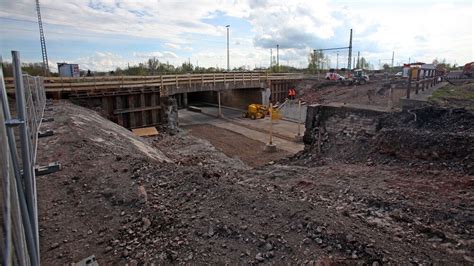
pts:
pixel 240 98
pixel 202 96
pixel 334 119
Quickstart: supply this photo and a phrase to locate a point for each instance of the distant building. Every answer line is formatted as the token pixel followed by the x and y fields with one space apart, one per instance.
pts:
pixel 68 70
pixel 414 66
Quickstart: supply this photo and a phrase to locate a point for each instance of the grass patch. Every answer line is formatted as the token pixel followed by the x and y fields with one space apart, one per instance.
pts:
pixel 455 96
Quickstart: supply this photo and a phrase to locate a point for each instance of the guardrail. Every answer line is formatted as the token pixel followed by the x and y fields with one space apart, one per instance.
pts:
pixel 19 139
pixel 61 84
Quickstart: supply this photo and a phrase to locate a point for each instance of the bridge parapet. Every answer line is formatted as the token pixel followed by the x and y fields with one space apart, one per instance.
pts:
pixel 138 101
pixel 167 84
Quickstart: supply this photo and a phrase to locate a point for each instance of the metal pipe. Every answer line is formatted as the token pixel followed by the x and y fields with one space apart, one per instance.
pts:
pixel 28 174
pixel 271 124
pixel 228 65
pixel 330 49
pixel 19 184
pixel 219 103
pixel 7 222
pixel 278 58
pixel 299 117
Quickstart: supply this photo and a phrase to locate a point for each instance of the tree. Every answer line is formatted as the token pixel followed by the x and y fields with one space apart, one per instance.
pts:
pixel 315 61
pixel 186 67
pixel 363 63
pixel 386 67
pixel 153 65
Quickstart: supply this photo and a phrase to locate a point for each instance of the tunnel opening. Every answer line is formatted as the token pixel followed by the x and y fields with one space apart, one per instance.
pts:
pixel 238 99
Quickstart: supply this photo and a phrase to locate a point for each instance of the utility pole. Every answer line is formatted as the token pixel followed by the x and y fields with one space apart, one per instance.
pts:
pixel 278 57
pixel 337 60
pixel 354 63
pixel 393 57
pixel 271 57
pixel 42 41
pixel 350 52
pixel 228 65
pixel 409 59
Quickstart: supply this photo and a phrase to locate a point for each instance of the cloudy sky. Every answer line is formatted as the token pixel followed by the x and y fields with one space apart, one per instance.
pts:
pixel 105 34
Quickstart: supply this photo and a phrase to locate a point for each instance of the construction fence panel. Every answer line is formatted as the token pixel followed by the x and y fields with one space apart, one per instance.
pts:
pixel 18 140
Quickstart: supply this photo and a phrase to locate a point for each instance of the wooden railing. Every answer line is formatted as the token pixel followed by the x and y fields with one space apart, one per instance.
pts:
pixel 428 79
pixel 61 84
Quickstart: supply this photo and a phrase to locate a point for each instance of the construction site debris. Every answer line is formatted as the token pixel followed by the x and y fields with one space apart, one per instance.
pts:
pixel 145 131
pixel 205 207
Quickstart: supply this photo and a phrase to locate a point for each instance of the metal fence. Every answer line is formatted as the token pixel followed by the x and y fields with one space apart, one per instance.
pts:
pixel 18 140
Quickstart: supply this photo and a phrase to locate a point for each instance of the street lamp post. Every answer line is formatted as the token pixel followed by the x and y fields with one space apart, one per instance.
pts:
pixel 228 65
pixel 278 58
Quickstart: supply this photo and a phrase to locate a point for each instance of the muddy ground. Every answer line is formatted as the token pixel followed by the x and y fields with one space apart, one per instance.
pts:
pixel 236 145
pixel 372 93
pixel 178 199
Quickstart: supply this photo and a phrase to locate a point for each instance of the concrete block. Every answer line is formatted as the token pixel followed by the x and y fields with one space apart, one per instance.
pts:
pixel 299 138
pixel 270 148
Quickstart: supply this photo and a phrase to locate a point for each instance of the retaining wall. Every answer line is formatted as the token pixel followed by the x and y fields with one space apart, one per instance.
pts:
pixel 347 119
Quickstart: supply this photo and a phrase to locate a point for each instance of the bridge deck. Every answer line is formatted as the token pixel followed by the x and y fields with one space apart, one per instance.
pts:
pixel 167 84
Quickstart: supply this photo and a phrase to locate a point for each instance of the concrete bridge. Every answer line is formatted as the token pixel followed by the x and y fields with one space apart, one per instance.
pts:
pixel 139 101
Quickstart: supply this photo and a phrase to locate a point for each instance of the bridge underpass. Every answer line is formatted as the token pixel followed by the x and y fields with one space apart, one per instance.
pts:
pixel 284 131
pixel 238 99
pixel 141 101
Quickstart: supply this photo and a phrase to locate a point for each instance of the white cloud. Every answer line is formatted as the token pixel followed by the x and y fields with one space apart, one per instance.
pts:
pixel 104 61
pixel 172 46
pixel 413 29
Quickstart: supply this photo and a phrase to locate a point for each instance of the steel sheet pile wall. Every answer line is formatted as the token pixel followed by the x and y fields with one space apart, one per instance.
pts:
pixel 20 238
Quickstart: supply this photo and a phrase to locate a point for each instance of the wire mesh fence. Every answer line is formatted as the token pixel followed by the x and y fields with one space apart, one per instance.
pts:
pixel 18 140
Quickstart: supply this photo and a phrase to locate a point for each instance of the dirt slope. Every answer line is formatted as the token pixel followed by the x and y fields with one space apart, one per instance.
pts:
pixel 205 207
pixel 80 207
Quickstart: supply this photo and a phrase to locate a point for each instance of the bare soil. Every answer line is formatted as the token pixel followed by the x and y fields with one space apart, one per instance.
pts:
pixel 459 95
pixel 236 145
pixel 371 93
pixel 187 202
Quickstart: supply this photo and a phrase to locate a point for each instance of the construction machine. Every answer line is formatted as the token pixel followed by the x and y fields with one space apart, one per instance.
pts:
pixel 258 111
pixel 358 77
pixel 255 111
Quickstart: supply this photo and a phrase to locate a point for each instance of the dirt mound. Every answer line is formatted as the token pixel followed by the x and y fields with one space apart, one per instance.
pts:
pixel 433 119
pixel 119 203
pixel 432 136
pixel 81 205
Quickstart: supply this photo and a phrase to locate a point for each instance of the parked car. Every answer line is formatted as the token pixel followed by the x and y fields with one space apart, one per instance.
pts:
pixel 399 74
pixel 333 76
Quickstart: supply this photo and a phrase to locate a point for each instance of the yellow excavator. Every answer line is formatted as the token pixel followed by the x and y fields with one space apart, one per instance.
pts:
pixel 258 111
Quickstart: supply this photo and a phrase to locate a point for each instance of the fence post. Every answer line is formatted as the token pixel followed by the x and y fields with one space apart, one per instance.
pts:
pixel 410 74
pixel 28 174
pixel 417 80
pixel 5 170
pixel 19 209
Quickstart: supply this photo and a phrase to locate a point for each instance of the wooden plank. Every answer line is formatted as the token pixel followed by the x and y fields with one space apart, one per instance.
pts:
pixel 144 112
pixel 106 105
pixel 131 118
pixel 119 104
pixel 154 112
pixel 145 131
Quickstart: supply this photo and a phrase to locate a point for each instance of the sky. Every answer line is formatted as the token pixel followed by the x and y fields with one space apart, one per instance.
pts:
pixel 102 35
